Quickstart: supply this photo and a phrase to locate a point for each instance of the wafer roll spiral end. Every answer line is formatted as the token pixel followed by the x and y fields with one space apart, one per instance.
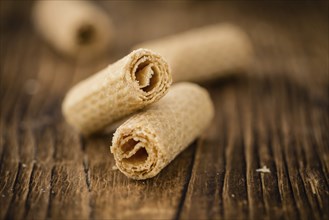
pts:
pixel 135 81
pixel 149 140
pixel 75 28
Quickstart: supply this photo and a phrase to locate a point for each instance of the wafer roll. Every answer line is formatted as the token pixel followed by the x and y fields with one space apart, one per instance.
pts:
pixel 135 81
pixel 75 28
pixel 149 140
pixel 205 53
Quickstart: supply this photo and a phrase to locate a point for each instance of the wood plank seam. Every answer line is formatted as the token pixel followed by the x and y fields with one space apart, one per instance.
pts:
pixel 87 174
pixel 279 130
pixel 243 146
pixel 288 179
pixel 48 213
pixel 225 143
pixel 85 162
pixel 308 172
pixel 187 182
pixel 27 202
pixel 14 187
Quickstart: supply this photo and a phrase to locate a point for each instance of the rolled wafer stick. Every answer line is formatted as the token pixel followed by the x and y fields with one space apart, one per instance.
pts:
pixel 149 140
pixel 205 53
pixel 135 81
pixel 75 28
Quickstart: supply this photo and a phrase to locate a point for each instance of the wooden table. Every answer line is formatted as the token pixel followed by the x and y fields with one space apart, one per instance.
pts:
pixel 274 116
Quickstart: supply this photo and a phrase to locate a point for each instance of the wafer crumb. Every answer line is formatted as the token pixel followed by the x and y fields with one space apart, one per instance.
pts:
pixel 264 169
pixel 114 167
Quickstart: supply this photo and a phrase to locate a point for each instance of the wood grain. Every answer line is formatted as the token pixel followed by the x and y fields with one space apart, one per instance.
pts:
pixel 276 115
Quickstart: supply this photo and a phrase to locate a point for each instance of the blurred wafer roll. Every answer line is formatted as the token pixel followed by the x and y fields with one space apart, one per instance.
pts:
pixel 135 81
pixel 151 139
pixel 76 28
pixel 205 53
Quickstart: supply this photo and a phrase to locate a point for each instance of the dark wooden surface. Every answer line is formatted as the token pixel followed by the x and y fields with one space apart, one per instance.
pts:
pixel 274 116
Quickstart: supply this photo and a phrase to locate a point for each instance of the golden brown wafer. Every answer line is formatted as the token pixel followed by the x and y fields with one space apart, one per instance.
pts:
pixel 135 81
pixel 149 140
pixel 75 28
pixel 205 53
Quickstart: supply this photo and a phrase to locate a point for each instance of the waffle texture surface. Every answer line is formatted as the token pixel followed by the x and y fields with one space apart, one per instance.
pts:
pixel 130 84
pixel 205 53
pixel 151 139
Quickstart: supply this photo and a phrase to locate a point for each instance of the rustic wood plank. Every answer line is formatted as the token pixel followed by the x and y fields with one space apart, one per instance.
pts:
pixel 37 201
pixel 250 135
pixel 13 172
pixel 20 187
pixel 284 184
pixel 291 155
pixel 25 137
pixel 234 190
pixel 113 194
pixel 68 189
pixel 314 180
pixel 9 168
pixel 53 83
pixel 320 124
pixel 207 179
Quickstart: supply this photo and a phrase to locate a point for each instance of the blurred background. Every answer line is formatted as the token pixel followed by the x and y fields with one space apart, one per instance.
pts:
pixel 290 28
